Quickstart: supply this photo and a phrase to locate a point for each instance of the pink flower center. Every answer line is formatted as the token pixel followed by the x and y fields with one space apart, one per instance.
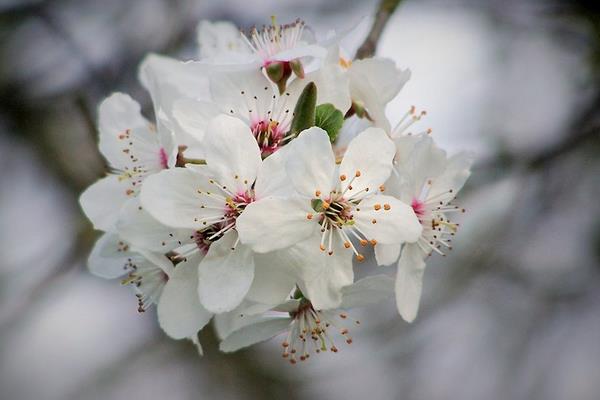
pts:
pixel 164 159
pixel 236 205
pixel 419 208
pixel 269 136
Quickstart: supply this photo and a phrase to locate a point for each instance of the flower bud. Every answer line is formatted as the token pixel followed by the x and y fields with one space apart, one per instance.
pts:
pixel 297 68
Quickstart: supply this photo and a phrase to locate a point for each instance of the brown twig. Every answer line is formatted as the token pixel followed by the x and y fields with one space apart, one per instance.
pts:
pixel 384 12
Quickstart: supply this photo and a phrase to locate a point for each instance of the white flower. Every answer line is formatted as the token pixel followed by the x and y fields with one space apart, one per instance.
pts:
pixel 428 180
pixel 282 43
pixel 209 199
pixel 335 204
pixel 134 150
pixel 305 326
pixel 374 82
pixel 251 97
pixel 156 281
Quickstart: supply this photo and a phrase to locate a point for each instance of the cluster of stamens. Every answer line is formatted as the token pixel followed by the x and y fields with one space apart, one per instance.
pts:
pixel 437 228
pixel 148 279
pixel 313 330
pixel 224 218
pixel 336 215
pixel 274 38
pixel 411 117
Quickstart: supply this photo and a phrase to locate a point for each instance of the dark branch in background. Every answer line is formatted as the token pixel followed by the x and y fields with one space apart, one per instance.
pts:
pixel 384 12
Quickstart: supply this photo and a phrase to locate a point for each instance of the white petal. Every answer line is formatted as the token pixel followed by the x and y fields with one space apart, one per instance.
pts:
pixel 232 153
pixel 225 275
pixel 310 163
pixel 322 275
pixel 241 93
pixel 272 179
pixel 116 114
pixel 367 291
pixel 409 281
pixel 102 201
pixel 371 153
pixel 180 313
pixel 417 159
pixel 387 220
pixel 172 197
pixel 220 42
pixel 109 257
pixel 273 279
pixel 332 82
pixel 231 321
pixel 373 83
pixel 275 223
pixel 255 333
pixel 458 170
pixel 387 254
pixel 192 117
pixel 143 231
pixel 176 78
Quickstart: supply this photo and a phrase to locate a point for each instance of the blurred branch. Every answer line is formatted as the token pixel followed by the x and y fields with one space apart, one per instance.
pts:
pixel 384 12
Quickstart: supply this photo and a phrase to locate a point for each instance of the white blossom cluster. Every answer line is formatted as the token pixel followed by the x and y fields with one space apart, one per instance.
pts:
pixel 270 167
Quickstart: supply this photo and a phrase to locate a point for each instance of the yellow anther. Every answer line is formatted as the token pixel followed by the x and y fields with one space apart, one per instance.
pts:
pixel 347 245
pixel 363 242
pixel 317 193
pixel 377 207
pixel 325 205
pixel 342 177
pixel 357 174
pixel 373 221
pixel 382 188
pixel 359 258
pixel 309 216
pixel 386 207
pixel 373 242
pixel 322 247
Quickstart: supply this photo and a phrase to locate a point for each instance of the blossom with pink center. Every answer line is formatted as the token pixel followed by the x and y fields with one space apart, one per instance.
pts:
pixel 134 150
pixel 429 181
pixel 210 200
pixel 305 329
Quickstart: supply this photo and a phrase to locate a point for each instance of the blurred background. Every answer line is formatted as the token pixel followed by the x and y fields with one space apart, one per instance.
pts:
pixel 512 313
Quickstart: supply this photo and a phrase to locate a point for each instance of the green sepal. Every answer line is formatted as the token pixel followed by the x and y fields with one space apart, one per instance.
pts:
pixel 304 112
pixel 329 119
pixel 317 205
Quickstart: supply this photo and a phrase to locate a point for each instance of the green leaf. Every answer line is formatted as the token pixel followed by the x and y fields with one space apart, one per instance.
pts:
pixel 304 112
pixel 329 119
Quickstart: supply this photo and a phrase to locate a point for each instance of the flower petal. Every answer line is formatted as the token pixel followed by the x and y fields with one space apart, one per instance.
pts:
pixel 367 291
pixel 221 42
pixel 232 154
pixel 387 220
pixel 275 223
pixel 116 114
pixel 254 333
pixel 322 276
pixel 172 197
pixel 225 275
pixel 310 163
pixel 387 254
pixel 192 117
pixel 409 281
pixel 371 154
pixel 180 313
pixel 143 231
pixel 273 279
pixel 272 179
pixel 109 257
pixel 102 201
pixel 373 83
pixel 458 170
